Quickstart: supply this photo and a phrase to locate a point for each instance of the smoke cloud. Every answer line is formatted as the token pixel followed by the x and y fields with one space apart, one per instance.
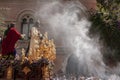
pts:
pixel 66 22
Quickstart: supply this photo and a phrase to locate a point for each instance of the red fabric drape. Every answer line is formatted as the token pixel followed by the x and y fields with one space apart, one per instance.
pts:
pixel 8 43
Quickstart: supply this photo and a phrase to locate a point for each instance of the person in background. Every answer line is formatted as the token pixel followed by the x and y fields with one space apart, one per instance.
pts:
pixel 9 41
pixel 6 31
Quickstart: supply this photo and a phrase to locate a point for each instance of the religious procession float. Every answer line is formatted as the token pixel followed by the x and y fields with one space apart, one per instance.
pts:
pixel 37 64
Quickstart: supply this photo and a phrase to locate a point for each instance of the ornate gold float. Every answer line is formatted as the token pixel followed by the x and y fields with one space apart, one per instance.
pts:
pixel 40 61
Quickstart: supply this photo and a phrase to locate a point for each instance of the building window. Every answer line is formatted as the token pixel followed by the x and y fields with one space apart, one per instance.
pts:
pixel 26 25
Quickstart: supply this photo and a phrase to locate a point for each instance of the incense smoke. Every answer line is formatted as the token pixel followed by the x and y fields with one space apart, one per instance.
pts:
pixel 67 22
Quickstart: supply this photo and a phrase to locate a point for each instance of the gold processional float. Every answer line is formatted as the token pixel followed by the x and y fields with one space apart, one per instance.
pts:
pixel 43 53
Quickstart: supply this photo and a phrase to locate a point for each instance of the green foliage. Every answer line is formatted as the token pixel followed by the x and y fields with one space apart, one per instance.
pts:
pixel 106 23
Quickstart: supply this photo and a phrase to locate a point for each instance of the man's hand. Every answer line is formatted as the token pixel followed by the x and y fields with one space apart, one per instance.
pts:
pixel 22 36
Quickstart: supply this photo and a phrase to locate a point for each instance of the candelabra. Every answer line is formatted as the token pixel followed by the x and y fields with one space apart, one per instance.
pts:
pixel 46 53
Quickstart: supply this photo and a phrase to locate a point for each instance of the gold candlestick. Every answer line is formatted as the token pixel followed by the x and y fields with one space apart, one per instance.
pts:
pixel 9 73
pixel 23 54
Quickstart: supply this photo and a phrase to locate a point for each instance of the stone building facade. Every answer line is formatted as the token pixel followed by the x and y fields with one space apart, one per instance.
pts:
pixel 22 12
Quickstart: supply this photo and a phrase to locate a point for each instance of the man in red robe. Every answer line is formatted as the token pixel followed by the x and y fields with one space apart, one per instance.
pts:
pixel 8 44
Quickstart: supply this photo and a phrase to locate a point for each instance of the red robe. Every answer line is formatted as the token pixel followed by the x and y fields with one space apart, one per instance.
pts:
pixel 8 44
